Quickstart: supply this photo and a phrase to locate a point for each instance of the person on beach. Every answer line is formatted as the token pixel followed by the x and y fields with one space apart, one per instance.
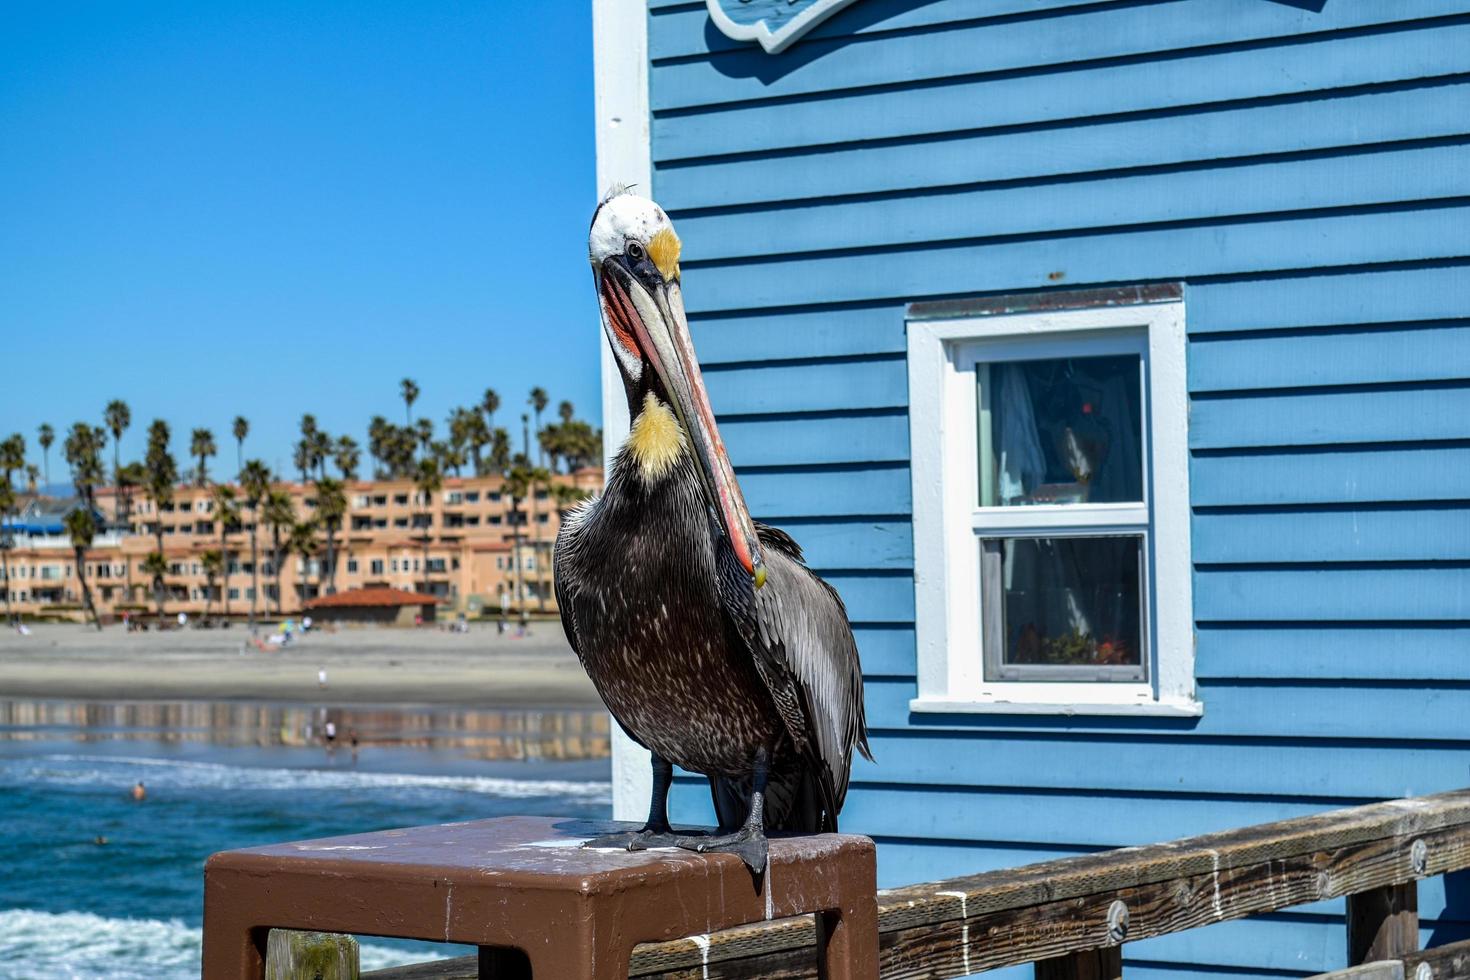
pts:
pixel 139 792
pixel 329 736
pixel 352 741
pixel 321 678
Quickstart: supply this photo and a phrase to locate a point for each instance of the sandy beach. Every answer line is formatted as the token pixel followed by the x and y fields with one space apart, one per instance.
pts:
pixel 364 666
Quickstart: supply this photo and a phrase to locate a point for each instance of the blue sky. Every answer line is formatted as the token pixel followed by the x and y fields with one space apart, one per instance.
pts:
pixel 269 208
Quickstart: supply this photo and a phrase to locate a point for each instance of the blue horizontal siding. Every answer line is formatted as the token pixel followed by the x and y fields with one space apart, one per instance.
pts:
pixel 1305 174
pixel 1332 593
pixel 1208 249
pixel 1382 176
pixel 1324 710
pixel 1401 652
pixel 1341 416
pixel 1335 120
pixel 1397 354
pixel 1330 299
pixel 1315 65
pixel 1118 31
pixel 815 439
pixel 800 334
pixel 835 491
pixel 1340 535
pixel 1306 475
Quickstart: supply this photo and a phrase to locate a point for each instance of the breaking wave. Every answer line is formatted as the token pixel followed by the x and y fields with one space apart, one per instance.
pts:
pixel 88 769
pixel 83 946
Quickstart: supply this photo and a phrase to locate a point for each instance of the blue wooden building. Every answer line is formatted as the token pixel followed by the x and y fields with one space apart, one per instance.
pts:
pixel 1112 358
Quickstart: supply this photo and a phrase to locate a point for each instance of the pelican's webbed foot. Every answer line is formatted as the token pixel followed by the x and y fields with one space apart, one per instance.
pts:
pixel 748 843
pixel 638 840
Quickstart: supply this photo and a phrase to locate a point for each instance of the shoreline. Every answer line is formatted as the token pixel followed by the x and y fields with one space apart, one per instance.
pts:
pixel 364 667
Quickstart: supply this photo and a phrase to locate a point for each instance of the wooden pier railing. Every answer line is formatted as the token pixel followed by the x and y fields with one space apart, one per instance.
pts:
pixel 1072 917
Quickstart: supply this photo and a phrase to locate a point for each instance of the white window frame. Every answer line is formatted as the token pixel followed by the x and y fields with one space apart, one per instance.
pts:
pixel 944 447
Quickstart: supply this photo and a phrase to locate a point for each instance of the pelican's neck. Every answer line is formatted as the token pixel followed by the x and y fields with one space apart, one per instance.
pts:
pixel 656 441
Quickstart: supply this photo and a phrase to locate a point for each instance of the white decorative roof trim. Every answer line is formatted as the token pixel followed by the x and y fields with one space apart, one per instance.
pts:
pixel 774 41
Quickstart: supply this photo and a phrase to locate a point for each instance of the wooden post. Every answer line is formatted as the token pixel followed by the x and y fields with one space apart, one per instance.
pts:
pixel 1093 964
pixel 1383 923
pixel 292 955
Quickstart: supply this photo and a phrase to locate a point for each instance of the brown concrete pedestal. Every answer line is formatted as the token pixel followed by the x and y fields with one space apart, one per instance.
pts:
pixel 523 883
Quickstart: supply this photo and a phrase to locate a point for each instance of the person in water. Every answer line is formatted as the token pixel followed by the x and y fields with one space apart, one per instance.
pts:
pixel 139 792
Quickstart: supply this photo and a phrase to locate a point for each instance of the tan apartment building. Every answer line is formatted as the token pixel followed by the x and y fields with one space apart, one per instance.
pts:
pixel 462 545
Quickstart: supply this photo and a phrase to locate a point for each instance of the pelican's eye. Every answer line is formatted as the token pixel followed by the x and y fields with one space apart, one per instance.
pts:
pixel 635 251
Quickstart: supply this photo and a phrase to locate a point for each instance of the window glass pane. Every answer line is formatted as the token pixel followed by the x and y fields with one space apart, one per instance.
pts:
pixel 1064 602
pixel 1061 431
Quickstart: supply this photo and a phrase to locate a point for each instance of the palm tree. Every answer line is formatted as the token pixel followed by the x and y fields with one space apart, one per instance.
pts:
pixel 538 402
pixel 201 446
pixel 410 393
pixel 33 478
pixel 428 480
pixel 331 505
pixel 155 566
pixel 161 473
pixel 517 484
pixel 117 417
pixel 46 435
pixel 227 512
pixel 490 404
pixel 347 456
pixel 212 561
pixel 302 541
pixel 81 526
pixel 566 411
pixel 255 481
pixel 12 457
pixel 380 431
pixel 241 429
pixel 280 514
pixel 83 452
pixel 565 497
pixel 540 479
pixel 423 430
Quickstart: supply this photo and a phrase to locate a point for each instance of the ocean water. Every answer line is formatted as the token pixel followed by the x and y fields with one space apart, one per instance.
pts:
pixel 96 885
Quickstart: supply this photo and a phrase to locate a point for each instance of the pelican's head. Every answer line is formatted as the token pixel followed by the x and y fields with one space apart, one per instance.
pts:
pixel 634 253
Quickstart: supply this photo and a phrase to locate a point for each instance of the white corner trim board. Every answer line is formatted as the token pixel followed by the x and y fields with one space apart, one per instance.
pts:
pixel 788 31
pixel 943 443
pixel 620 56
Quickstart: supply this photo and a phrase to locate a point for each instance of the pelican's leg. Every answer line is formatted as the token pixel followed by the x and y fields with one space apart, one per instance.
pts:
pixel 656 832
pixel 749 842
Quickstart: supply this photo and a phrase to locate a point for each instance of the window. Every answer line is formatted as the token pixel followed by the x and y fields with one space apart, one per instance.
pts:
pixel 400 498
pixel 361 500
pixel 454 497
pixel 352 566
pixel 472 496
pixel 1051 508
pixel 375 566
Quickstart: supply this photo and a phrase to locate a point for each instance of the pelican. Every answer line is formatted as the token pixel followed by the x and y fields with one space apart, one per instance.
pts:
pixel 710 641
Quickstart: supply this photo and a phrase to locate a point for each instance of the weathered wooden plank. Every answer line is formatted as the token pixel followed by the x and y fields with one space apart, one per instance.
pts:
pixel 1448 962
pixel 1377 970
pixel 821 65
pixel 1309 475
pixel 1383 922
pixel 962 925
pixel 1335 120
pixel 1310 66
pixel 456 968
pixel 1397 354
pixel 1372 177
pixel 294 955
pixel 1094 964
pixel 1158 253
pixel 1362 533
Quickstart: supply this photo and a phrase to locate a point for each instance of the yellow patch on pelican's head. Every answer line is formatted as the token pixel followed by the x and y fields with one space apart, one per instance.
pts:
pixel 664 248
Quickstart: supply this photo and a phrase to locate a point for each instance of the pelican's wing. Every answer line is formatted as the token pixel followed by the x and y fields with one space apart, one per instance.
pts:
pixel 804 651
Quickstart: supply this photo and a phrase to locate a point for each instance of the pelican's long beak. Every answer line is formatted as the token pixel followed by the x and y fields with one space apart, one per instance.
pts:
pixel 654 318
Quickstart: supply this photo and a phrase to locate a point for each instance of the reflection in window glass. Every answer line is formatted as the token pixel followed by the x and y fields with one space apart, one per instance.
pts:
pixel 1061 431
pixel 1068 602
